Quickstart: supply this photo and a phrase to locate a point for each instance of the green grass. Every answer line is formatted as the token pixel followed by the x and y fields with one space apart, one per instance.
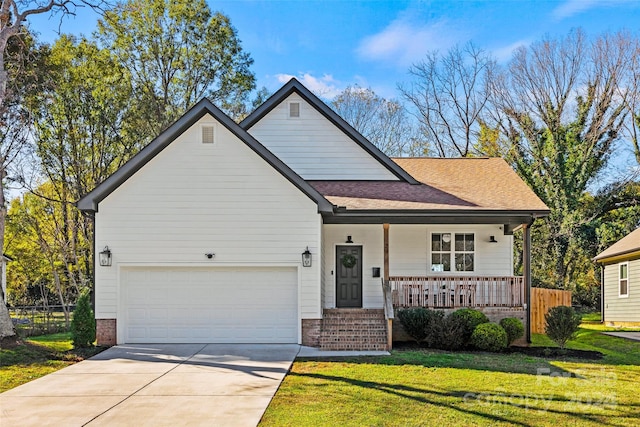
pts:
pixel 37 357
pixel 411 388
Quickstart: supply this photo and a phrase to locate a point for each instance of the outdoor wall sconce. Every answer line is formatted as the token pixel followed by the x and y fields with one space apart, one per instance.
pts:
pixel 306 258
pixel 349 240
pixel 105 257
pixel 375 271
pixel 210 255
pixel 492 239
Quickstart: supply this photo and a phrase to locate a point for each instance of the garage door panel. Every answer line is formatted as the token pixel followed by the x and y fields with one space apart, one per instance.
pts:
pixel 221 305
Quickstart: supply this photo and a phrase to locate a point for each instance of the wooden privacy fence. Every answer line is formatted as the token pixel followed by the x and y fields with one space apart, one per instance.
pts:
pixel 542 300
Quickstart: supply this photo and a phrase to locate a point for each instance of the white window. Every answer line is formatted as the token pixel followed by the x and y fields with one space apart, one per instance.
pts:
pixel 623 279
pixel 452 252
pixel 294 110
pixel 208 134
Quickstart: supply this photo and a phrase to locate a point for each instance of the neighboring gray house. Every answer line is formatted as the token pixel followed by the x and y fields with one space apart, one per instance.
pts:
pixel 283 228
pixel 621 281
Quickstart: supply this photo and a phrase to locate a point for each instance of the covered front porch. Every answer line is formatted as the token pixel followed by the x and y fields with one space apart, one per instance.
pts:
pixel 434 265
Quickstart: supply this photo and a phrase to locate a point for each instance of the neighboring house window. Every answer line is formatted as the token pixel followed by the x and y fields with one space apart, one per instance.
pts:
pixel 623 279
pixel 294 109
pixel 452 252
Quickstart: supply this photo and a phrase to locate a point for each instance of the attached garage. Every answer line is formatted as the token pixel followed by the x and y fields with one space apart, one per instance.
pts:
pixel 209 305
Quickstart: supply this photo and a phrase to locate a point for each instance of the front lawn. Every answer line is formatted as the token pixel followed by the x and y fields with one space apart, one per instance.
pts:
pixel 37 357
pixel 425 387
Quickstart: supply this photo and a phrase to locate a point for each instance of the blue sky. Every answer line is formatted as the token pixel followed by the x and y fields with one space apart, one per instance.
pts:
pixel 332 44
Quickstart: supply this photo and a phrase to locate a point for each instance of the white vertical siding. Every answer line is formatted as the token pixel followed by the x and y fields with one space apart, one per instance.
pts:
pixel 314 147
pixel 622 309
pixel 195 198
pixel 409 254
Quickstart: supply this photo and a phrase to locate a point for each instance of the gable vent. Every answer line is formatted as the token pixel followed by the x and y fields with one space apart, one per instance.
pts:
pixel 294 109
pixel 208 134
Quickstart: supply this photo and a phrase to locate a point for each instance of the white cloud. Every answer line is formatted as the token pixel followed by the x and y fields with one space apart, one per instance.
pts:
pixel 324 87
pixel 504 54
pixel 573 7
pixel 404 43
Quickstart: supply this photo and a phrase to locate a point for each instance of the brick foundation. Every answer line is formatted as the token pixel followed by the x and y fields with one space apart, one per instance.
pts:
pixel 311 329
pixel 106 332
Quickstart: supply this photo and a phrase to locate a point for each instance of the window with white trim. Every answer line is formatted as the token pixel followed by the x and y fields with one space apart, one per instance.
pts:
pixel 623 279
pixel 452 252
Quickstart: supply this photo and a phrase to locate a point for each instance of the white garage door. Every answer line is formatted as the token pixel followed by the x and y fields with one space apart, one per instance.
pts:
pixel 210 305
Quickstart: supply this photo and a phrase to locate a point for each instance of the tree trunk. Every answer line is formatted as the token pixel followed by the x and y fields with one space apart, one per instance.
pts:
pixel 8 335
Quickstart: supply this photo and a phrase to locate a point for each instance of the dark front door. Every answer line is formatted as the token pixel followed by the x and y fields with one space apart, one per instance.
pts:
pixel 348 276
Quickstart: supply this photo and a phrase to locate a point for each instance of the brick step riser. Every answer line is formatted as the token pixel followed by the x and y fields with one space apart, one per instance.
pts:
pixel 353 329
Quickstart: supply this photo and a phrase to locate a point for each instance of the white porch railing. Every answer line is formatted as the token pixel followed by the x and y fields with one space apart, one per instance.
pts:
pixel 457 291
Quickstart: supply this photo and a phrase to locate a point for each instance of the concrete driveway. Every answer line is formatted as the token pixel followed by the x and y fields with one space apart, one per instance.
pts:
pixel 155 385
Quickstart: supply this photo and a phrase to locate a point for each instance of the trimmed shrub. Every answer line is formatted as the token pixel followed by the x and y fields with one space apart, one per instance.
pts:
pixel 469 319
pixel 420 323
pixel 83 324
pixel 562 323
pixel 489 337
pixel 513 327
pixel 449 333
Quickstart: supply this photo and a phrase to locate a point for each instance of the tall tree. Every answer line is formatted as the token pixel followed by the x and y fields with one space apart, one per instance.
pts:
pixel 13 15
pixel 177 52
pixel 82 135
pixel 561 105
pixel 383 122
pixel 449 93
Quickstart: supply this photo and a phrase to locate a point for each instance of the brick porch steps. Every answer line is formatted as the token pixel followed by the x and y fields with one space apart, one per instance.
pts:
pixel 353 329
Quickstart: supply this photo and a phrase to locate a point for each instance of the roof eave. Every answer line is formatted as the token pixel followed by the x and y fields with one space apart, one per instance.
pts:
pixel 443 216
pixel 294 85
pixel 619 256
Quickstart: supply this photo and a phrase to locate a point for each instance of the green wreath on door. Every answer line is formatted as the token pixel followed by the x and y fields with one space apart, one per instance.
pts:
pixel 349 261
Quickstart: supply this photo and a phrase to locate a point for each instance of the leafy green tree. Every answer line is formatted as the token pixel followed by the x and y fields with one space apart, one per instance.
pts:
pixel 177 52
pixel 13 16
pixel 561 105
pixel 21 58
pixel 83 325
pixel 36 235
pixel 82 135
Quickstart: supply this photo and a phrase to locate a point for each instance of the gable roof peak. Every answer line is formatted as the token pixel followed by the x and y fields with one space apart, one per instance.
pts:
pixel 294 85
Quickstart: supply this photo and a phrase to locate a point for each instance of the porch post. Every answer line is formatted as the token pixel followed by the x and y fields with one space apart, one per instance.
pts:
pixel 526 267
pixel 385 229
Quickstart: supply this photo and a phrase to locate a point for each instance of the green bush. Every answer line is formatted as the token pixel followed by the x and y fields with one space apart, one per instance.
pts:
pixel 513 327
pixel 562 323
pixel 469 319
pixel 83 325
pixel 449 333
pixel 489 337
pixel 421 323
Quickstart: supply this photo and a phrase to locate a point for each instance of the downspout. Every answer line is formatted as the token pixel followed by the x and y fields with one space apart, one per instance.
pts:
pixel 527 272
